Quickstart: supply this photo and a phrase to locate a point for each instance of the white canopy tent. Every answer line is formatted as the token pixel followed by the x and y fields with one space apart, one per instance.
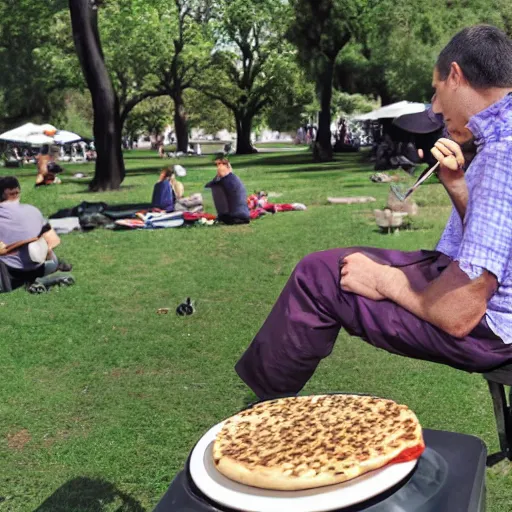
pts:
pixel 37 135
pixel 65 137
pixel 391 111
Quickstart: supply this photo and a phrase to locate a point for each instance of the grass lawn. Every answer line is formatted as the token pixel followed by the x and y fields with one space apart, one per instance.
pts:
pixel 102 399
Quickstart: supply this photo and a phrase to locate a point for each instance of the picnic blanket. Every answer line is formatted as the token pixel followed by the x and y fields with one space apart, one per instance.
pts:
pixel 164 220
pixel 65 225
pixel 258 205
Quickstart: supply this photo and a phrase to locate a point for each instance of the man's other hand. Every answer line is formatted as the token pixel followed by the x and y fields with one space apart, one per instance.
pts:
pixel 362 276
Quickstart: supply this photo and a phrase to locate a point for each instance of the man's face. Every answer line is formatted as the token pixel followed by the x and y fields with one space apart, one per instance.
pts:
pixel 450 99
pixel 223 168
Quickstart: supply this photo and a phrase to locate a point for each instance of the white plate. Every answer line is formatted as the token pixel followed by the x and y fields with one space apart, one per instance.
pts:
pixel 237 496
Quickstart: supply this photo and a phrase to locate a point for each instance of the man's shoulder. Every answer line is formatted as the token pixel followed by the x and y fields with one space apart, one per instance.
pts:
pixel 28 208
pixel 496 149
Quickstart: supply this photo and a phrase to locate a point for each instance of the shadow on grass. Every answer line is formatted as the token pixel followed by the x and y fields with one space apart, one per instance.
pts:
pixel 89 495
pixel 263 159
pixel 87 191
pixel 401 229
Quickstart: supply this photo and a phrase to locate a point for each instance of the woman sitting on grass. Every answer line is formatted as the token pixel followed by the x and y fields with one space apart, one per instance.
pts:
pixel 168 194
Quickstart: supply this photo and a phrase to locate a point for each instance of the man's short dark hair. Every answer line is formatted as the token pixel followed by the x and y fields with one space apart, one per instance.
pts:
pixel 8 183
pixel 483 52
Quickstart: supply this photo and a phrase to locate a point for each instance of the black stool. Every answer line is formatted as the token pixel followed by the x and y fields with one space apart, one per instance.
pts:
pixel 497 380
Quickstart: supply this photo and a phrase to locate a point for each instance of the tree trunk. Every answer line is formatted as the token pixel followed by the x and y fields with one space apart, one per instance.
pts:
pixel 180 122
pixel 110 171
pixel 385 97
pixel 243 134
pixel 322 150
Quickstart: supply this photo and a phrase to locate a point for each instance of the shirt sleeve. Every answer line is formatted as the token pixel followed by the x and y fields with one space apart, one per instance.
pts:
pixel 487 236
pixel 451 238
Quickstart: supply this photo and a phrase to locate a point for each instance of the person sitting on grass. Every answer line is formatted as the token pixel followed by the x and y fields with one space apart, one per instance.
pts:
pixel 26 239
pixel 229 194
pixel 168 194
pixel 47 169
pixel 451 306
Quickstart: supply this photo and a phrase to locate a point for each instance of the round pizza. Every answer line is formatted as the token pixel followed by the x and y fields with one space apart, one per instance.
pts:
pixel 312 441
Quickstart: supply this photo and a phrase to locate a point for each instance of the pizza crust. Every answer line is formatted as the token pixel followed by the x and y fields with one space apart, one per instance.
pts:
pixel 307 442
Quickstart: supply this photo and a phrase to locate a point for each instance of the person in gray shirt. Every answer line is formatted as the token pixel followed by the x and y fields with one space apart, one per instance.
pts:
pixel 20 222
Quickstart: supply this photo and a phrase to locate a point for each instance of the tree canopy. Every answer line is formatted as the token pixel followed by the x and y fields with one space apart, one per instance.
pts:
pixel 231 63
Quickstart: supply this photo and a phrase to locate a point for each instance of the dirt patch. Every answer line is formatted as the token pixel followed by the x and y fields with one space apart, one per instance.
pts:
pixel 122 330
pixel 140 396
pixel 18 440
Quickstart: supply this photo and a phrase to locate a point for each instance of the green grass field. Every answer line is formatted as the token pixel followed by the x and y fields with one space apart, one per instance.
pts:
pixel 102 398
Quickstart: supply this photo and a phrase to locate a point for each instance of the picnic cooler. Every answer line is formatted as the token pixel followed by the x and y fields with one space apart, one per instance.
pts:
pixel 448 477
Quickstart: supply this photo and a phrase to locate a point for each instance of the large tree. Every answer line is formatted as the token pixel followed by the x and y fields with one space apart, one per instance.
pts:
pixel 110 171
pixel 156 48
pixel 191 57
pixel 251 62
pixel 320 30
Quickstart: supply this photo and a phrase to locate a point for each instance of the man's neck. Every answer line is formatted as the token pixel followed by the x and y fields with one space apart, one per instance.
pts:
pixel 11 201
pixel 484 99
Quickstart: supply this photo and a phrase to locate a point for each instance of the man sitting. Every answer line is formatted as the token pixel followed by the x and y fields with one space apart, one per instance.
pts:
pixel 168 194
pixel 26 239
pixel 451 306
pixel 229 194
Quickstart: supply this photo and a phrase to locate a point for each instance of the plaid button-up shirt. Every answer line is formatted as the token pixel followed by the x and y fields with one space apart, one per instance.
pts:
pixel 484 240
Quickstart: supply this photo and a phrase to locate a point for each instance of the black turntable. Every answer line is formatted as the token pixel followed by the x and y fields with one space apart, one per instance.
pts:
pixel 449 477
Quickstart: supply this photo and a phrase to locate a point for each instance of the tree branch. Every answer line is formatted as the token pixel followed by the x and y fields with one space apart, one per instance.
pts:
pixel 133 102
pixel 217 97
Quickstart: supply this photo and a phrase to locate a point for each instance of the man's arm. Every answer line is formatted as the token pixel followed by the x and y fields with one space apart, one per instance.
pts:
pixel 52 239
pixel 453 302
pixel 459 195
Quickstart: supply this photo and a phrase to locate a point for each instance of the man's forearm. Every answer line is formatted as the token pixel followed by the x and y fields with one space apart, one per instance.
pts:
pixel 432 304
pixel 459 195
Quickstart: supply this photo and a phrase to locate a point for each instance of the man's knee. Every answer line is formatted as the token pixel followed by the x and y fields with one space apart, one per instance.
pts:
pixel 311 261
pixel 322 261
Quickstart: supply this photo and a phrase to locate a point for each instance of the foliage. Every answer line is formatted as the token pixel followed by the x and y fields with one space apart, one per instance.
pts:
pixel 207 114
pixel 252 64
pixel 138 47
pixel 345 104
pixel 78 115
pixel 150 116
pixel 394 52
pixel 321 29
pixel 30 83
pixel 154 47
pixel 290 105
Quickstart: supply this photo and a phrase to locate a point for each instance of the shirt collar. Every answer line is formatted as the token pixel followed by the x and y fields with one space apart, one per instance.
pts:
pixel 482 124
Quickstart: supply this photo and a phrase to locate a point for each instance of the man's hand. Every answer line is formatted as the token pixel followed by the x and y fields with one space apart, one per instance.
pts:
pixel 451 173
pixel 361 275
pixel 449 155
pixel 52 239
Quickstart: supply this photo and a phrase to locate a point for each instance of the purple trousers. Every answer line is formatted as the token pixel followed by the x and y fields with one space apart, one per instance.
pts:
pixel 312 308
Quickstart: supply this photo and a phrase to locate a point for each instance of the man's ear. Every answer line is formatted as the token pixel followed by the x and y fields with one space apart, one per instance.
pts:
pixel 456 77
